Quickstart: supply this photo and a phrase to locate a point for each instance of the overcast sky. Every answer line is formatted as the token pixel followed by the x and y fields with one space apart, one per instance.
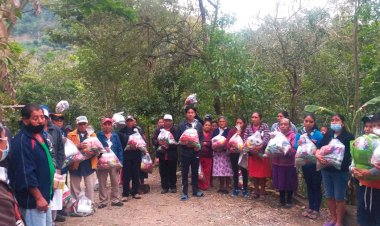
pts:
pixel 247 10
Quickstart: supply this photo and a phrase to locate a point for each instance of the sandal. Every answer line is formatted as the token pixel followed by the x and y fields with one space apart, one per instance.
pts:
pixel 313 215
pixel 307 212
pixel 184 197
pixel 198 194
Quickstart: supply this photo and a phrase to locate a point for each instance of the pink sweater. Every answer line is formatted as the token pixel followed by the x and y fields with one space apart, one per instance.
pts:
pixel 288 159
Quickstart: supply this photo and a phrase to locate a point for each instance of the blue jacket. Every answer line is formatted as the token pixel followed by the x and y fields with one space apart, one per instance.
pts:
pixel 316 136
pixel 28 168
pixel 116 144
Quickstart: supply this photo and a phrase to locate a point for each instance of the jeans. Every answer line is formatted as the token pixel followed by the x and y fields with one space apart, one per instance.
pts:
pixel 34 217
pixel 131 171
pixel 313 181
pixel 168 169
pixel 335 184
pixel 368 211
pixel 234 158
pixel 186 162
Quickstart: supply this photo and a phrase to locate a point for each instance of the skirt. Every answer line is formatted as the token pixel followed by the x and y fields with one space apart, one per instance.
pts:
pixel 221 165
pixel 285 178
pixel 259 167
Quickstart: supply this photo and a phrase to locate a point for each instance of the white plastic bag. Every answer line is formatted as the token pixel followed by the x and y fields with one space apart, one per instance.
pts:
pixel 62 106
pixel 70 148
pixel 56 202
pixel 84 205
pixel 191 100
pixel 243 160
pixel 190 137
pixel 218 143
pixel 305 151
pixel 375 160
pixel 118 119
pixel 253 141
pixel 147 163
pixel 166 136
pixel 333 153
pixel 236 143
pixel 278 145
pixel 109 160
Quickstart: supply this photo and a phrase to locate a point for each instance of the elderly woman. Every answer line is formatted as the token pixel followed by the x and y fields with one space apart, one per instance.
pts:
pixel 258 168
pixel 221 163
pixel 284 172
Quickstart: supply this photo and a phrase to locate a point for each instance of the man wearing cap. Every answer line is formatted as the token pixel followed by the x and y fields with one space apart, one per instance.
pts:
pixel 86 168
pixel 131 160
pixel 168 156
pixel 58 120
pixel 110 141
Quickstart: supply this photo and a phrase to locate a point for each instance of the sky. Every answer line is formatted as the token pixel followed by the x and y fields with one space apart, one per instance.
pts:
pixel 247 11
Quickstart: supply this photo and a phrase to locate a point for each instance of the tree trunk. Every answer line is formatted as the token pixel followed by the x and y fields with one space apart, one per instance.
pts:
pixel 356 65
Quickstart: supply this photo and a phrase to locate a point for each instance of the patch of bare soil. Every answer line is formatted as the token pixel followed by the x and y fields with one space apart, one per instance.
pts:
pixel 213 209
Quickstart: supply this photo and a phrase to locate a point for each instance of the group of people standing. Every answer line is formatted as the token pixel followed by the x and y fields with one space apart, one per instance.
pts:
pixel 37 154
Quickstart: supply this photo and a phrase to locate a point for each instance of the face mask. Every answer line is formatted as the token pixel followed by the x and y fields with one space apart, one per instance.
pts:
pixel 336 127
pixel 4 153
pixel 34 129
pixel 376 131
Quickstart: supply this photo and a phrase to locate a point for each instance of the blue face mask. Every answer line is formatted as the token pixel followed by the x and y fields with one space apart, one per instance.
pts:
pixel 336 127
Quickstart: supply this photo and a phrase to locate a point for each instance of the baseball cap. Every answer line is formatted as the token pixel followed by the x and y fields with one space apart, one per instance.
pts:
pixel 46 113
pixel 168 117
pixel 104 120
pixel 129 117
pixel 81 119
pixel 56 116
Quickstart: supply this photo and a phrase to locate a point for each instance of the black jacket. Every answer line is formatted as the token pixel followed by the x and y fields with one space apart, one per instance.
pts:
pixel 58 146
pixel 345 137
pixel 172 150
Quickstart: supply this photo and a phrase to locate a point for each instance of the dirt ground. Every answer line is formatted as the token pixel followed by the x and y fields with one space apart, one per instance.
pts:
pixel 213 209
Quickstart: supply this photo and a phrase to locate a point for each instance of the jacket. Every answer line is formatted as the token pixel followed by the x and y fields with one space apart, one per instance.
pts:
pixel 345 137
pixel 116 144
pixel 29 168
pixel 288 159
pixel 74 137
pixel 172 152
pixel 58 146
pixel 186 151
pixel 124 134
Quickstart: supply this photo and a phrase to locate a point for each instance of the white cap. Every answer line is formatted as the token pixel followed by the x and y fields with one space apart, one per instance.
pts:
pixel 81 119
pixel 46 113
pixel 129 117
pixel 168 117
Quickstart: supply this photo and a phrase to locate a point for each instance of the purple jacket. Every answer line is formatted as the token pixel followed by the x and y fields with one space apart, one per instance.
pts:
pixel 288 159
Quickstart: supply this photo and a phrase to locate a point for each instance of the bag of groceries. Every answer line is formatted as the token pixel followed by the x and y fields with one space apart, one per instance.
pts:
pixel 218 143
pixel 166 137
pixel 305 151
pixel 146 163
pixel 253 141
pixel 136 142
pixel 278 145
pixel 109 160
pixel 333 153
pixel 190 138
pixel 236 143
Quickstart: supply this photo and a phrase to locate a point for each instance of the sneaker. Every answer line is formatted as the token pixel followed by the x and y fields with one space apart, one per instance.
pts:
pixel 164 191
pixel 245 193
pixel 173 190
pixel 101 206
pixel 60 218
pixel 235 193
pixel 184 197
pixel 137 196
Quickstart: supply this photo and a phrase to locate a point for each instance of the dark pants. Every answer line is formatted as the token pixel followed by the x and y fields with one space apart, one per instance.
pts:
pixel 193 162
pixel 286 197
pixel 168 169
pixel 234 158
pixel 313 181
pixel 368 215
pixel 131 171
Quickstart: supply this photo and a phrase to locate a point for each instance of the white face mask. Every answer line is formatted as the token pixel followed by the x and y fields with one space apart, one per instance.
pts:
pixel 376 131
pixel 4 153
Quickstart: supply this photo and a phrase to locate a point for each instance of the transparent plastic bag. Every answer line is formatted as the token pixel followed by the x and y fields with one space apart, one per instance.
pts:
pixel 62 106
pixel 191 99
pixel 375 159
pixel 190 137
pixel 361 151
pixel 333 153
pixel 305 151
pixel 70 148
pixel 83 206
pixel 136 142
pixel 166 136
pixel 94 147
pixel 278 145
pixel 253 141
pixel 218 143
pixel 236 143
pixel 109 160
pixel 147 163
pixel 243 160
pixel 201 176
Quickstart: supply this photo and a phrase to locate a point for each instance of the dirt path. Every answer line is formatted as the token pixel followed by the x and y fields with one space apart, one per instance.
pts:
pixel 213 209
